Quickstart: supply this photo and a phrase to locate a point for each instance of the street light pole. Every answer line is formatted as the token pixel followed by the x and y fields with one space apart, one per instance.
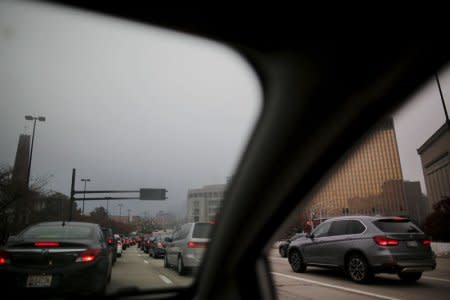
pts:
pixel 85 180
pixel 34 119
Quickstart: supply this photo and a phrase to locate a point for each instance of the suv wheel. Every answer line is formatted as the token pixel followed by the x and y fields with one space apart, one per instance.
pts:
pixel 358 269
pixel 410 277
pixel 296 261
pixel 180 266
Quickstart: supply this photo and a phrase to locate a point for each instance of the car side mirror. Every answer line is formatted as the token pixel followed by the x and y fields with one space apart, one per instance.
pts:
pixel 311 236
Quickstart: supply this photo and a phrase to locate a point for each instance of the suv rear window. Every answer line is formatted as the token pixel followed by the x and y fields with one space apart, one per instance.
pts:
pixel 201 230
pixel 396 226
pixel 58 233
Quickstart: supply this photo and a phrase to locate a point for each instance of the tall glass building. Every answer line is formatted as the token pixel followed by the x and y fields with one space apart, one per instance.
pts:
pixel 368 181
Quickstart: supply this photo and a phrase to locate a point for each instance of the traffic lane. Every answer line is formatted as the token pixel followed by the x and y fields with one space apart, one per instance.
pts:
pixel 137 269
pixel 432 285
pixel 289 288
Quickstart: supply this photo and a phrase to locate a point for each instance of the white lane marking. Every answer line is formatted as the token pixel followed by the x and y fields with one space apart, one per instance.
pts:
pixel 165 279
pixel 139 255
pixel 336 287
pixel 145 261
pixel 435 278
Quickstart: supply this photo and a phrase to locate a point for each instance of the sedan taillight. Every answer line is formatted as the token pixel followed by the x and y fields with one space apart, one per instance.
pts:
pixel 193 244
pixel 5 259
pixel 382 240
pixel 88 255
pixel 426 242
pixel 46 244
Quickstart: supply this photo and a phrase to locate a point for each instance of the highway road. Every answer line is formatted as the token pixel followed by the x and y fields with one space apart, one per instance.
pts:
pixel 135 268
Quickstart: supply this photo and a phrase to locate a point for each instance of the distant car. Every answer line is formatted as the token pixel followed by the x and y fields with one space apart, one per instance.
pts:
pixel 109 237
pixel 158 246
pixel 186 247
pixel 56 257
pixel 148 243
pixel 363 246
pixel 283 246
pixel 118 245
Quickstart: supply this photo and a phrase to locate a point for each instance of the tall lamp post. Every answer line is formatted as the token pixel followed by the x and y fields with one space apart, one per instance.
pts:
pixel 34 119
pixel 85 180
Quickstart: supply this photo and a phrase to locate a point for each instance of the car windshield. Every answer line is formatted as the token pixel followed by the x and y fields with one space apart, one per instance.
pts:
pixel 129 126
pixel 396 226
pixel 201 230
pixel 57 233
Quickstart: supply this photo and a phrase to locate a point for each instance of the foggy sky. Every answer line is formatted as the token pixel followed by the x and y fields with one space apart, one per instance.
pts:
pixel 127 105
pixel 133 106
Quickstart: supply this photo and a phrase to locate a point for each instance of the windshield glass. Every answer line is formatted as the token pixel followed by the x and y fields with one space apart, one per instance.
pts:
pixel 201 230
pixel 120 124
pixel 395 226
pixel 58 233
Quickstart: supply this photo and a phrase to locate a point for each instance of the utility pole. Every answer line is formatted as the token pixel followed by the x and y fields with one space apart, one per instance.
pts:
pixel 85 180
pixel 129 210
pixel 447 121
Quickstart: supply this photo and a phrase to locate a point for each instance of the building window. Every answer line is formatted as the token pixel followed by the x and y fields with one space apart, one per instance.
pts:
pixel 196 219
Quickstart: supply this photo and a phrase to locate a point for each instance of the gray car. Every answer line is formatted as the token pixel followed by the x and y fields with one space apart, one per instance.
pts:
pixel 363 246
pixel 186 247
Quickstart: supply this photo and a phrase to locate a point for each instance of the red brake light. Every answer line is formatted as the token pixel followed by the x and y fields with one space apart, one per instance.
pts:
pixel 426 242
pixel 110 242
pixel 192 244
pixel 46 244
pixel 88 255
pixel 4 258
pixel 385 241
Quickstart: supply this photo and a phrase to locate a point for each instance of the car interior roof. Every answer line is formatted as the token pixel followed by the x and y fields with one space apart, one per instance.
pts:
pixel 320 97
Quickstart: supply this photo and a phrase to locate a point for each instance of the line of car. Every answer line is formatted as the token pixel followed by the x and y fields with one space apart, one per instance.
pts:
pixel 363 246
pixel 60 257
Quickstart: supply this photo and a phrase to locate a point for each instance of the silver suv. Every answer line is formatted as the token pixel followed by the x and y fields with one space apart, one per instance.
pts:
pixel 363 246
pixel 186 247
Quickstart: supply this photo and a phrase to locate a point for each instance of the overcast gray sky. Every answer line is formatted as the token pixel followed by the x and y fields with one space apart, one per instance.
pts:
pixel 127 105
pixel 133 106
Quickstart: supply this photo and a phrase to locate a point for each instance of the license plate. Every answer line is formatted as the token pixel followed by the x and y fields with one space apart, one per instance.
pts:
pixel 39 281
pixel 411 244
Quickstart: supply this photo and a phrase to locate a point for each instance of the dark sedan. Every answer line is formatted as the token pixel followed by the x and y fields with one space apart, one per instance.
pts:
pixel 158 246
pixel 56 257
pixel 284 245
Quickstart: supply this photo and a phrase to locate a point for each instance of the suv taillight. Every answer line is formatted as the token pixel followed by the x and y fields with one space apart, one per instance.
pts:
pixel 192 244
pixel 426 242
pixel 382 240
pixel 4 258
pixel 88 255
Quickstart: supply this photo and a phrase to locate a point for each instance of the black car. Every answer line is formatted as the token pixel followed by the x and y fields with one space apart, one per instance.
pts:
pixel 284 245
pixel 157 248
pixel 111 241
pixel 56 257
